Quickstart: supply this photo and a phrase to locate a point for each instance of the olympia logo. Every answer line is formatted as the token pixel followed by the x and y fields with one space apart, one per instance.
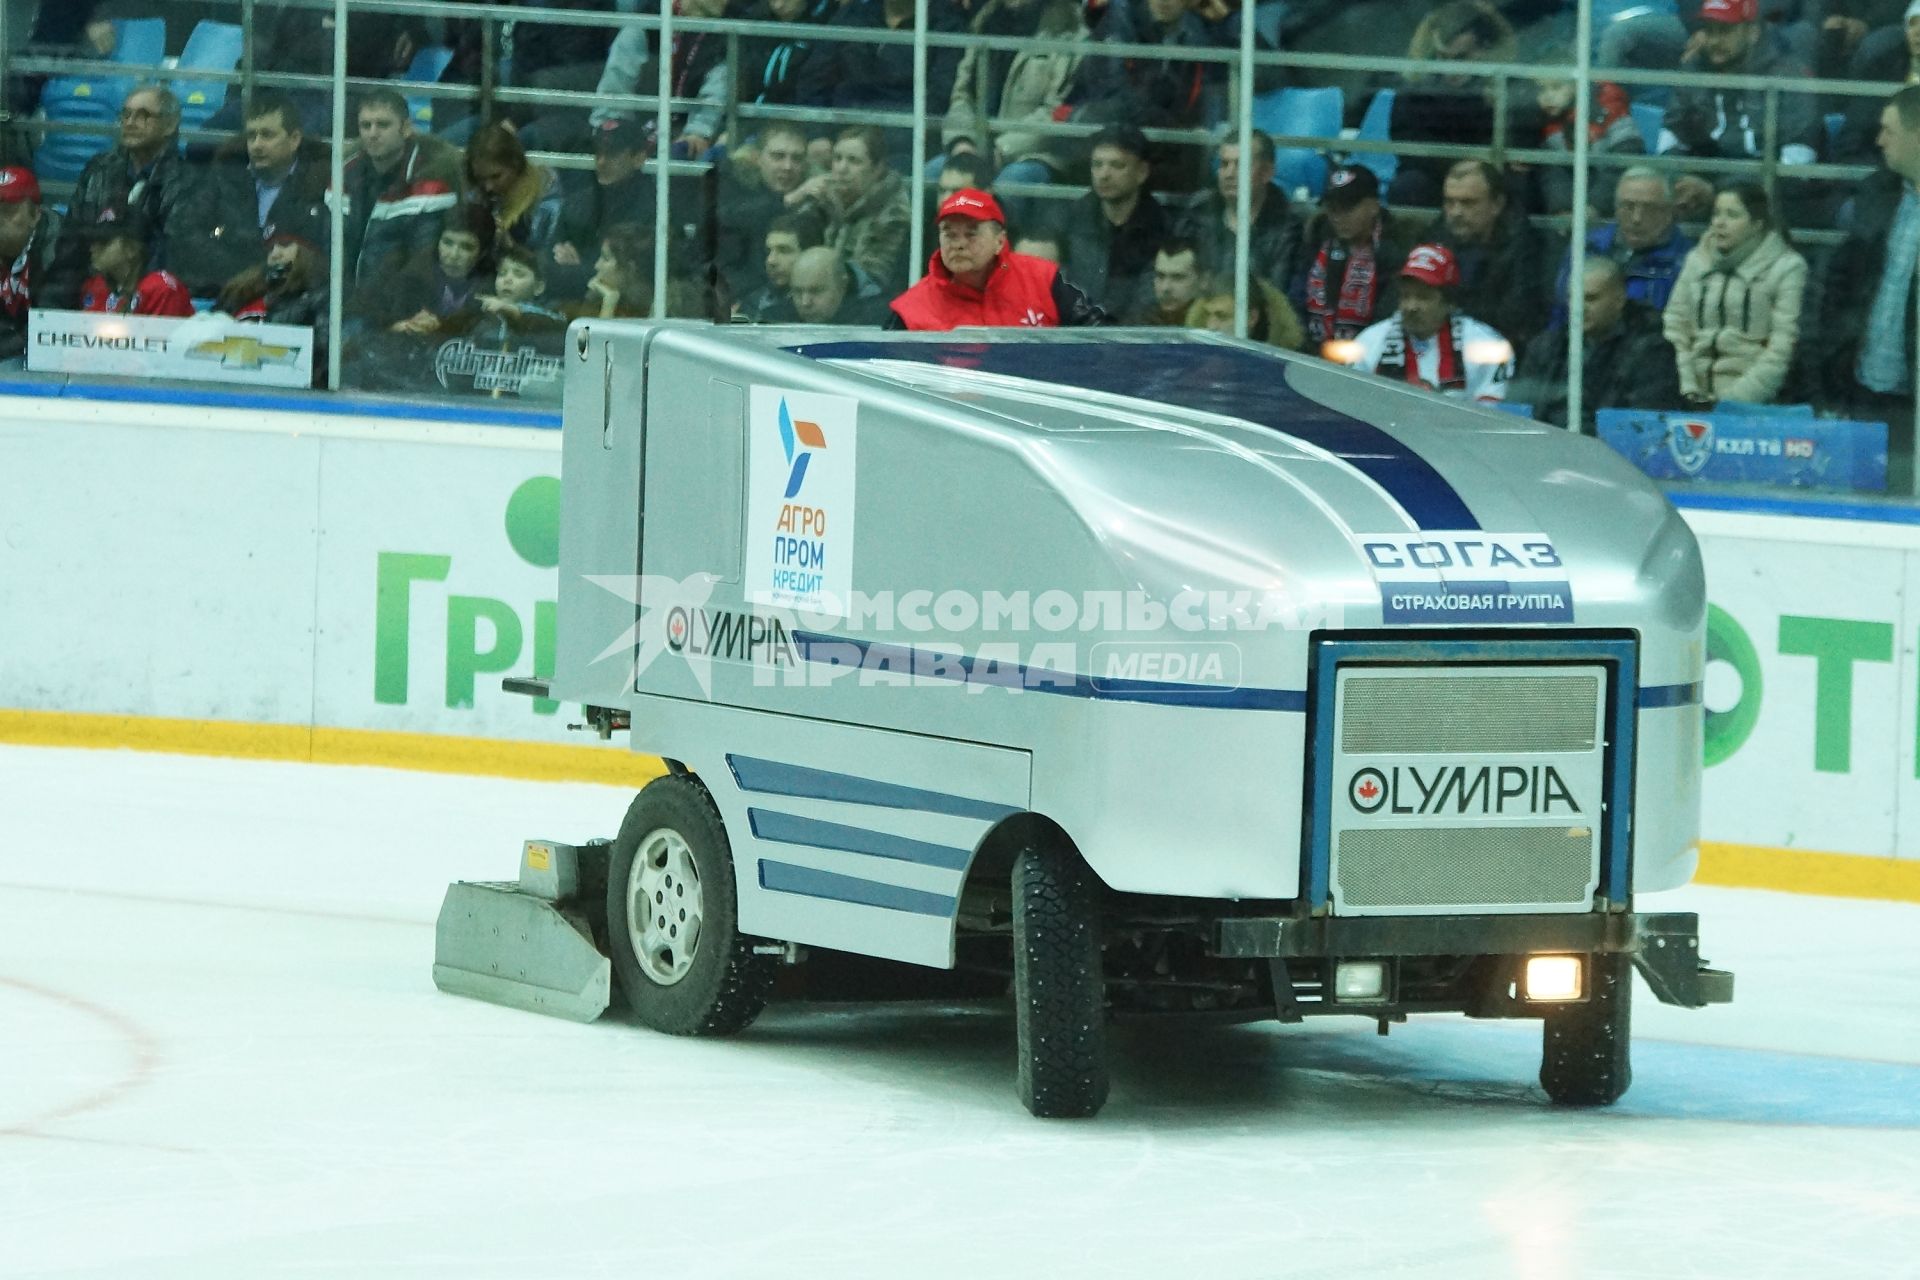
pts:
pixel 1484 790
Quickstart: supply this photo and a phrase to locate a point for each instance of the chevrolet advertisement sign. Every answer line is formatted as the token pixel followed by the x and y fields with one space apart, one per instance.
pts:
pixel 203 348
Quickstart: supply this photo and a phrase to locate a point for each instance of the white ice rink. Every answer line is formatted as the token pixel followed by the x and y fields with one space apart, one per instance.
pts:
pixel 222 1055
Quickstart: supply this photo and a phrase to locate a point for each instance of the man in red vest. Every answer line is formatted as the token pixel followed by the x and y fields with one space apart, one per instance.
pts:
pixel 976 279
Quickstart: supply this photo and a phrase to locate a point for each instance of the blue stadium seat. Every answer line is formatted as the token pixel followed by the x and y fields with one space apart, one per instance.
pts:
pixel 76 100
pixel 1305 112
pixel 426 68
pixel 1376 126
pixel 139 42
pixel 1650 120
pixel 213 46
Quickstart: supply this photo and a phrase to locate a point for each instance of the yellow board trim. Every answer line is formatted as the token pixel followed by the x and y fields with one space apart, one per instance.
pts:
pixel 1740 866
pixel 432 753
pixel 1840 875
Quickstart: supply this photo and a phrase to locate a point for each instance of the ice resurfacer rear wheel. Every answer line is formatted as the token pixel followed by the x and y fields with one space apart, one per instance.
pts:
pixel 671 917
pixel 1059 992
pixel 1586 1049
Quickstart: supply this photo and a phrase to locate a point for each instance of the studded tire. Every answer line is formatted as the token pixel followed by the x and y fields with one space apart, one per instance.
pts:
pixel 1586 1058
pixel 1058 988
pixel 703 981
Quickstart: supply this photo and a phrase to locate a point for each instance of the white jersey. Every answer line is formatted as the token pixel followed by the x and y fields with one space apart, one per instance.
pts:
pixel 1466 359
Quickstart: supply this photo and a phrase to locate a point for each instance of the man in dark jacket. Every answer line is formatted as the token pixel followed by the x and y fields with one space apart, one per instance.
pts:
pixel 1163 93
pixel 1627 363
pixel 751 199
pixel 143 173
pixel 619 193
pixel 825 289
pixel 879 77
pixel 399 186
pixel 1273 240
pixel 1506 264
pixel 1890 55
pixel 1864 342
pixel 1731 123
pixel 1349 269
pixel 235 211
pixel 1112 232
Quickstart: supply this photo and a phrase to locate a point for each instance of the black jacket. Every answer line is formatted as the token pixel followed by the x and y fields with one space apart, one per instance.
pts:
pixel 1631 368
pixel 158 193
pixel 1507 283
pixel 1273 242
pixel 1167 94
pixel 1114 264
pixel 770 65
pixel 1397 238
pixel 841 73
pixel 1730 123
pixel 1882 57
pixel 1852 281
pixel 221 229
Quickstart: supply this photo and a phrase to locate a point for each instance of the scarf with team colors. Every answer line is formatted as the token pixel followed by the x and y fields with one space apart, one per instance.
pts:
pixel 1352 310
pixel 1397 361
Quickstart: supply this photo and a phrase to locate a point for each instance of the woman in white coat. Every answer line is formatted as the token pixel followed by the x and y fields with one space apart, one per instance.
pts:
pixel 1734 316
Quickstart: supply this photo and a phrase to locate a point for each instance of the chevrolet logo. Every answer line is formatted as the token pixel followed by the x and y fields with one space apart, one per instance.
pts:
pixel 242 353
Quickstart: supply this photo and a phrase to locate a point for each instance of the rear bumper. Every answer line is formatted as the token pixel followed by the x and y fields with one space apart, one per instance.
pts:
pixel 1665 946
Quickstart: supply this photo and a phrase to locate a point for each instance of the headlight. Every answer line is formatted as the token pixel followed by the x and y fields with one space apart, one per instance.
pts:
pixel 1356 981
pixel 1553 978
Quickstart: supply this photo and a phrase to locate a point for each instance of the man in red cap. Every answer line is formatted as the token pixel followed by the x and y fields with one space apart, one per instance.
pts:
pixel 31 275
pixel 975 278
pixel 1426 343
pixel 1731 123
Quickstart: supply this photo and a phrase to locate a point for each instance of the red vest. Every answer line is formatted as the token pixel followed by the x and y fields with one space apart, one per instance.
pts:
pixel 1019 292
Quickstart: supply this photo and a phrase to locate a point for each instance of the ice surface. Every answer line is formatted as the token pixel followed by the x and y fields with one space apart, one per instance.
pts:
pixel 222 1054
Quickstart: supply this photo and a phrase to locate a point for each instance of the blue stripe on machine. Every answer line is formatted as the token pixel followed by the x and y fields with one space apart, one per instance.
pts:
pixel 1222 380
pixel 785 877
pixel 790 828
pixel 1653 696
pixel 932 664
pixel 771 777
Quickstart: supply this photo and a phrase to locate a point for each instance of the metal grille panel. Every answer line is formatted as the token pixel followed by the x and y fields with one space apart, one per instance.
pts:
pixel 1411 715
pixel 1464 866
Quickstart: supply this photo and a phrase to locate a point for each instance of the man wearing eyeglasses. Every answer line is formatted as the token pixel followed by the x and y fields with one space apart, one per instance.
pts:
pixel 1644 238
pixel 144 172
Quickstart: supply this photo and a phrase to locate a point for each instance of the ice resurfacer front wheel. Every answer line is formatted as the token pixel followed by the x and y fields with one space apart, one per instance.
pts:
pixel 1586 1053
pixel 671 917
pixel 1059 992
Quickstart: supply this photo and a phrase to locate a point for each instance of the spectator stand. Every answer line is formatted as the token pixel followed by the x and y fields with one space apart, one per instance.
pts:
pixel 1305 131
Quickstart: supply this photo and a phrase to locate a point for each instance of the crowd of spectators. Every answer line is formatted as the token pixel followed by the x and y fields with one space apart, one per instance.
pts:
pixel 1696 287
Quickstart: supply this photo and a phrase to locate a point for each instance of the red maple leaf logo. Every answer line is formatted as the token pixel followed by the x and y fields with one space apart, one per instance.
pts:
pixel 1368 790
